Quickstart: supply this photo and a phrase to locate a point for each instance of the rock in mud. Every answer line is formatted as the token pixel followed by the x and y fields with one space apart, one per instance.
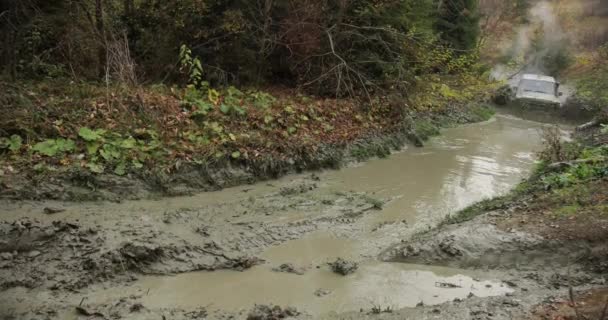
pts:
pixel 33 253
pixel 344 267
pixel 299 189
pixel 289 268
pixel 137 254
pixel 87 313
pixel 322 293
pixel 447 245
pixel 6 256
pixel 242 263
pixel 51 210
pixel 269 312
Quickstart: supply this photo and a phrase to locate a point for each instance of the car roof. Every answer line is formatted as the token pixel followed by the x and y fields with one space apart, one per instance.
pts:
pixel 538 77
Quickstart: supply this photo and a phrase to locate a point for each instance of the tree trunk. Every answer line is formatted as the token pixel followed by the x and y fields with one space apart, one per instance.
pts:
pixel 128 7
pixel 101 50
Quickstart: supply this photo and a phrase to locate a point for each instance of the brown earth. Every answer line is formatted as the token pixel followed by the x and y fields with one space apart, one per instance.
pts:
pixel 591 304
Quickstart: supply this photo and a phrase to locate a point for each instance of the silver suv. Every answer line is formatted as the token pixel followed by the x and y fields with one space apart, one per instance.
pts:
pixel 537 90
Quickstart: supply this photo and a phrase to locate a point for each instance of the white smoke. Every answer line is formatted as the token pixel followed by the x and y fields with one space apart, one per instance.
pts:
pixel 531 44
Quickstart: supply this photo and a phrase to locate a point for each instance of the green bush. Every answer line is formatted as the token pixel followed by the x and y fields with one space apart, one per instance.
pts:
pixel 330 47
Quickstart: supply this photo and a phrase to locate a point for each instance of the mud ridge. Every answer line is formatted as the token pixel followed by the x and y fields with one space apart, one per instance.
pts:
pixel 479 244
pixel 68 256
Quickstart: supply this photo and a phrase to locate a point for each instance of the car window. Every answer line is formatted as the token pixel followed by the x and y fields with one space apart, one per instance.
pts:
pixel 537 86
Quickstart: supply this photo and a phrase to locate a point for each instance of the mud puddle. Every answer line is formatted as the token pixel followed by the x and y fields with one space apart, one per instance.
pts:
pixel 319 291
pixel 305 221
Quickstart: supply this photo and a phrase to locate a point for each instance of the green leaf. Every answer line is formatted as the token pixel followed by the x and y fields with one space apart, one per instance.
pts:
pixel 291 130
pixel 234 92
pixel 121 169
pixel 91 135
pixel 268 119
pixel 110 152
pixel 261 100
pixel 236 155
pixel 53 147
pixel 203 106
pixel 213 96
pixel 105 154
pixel 93 147
pixel 137 164
pixel 289 110
pixel 128 143
pixel 95 167
pixel 197 64
pixel 47 148
pixel 66 145
pixel 240 111
pixel 232 137
pixel 225 109
pixel 216 127
pixel 14 143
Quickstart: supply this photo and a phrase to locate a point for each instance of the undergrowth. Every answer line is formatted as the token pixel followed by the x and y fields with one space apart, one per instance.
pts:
pixel 592 87
pixel 58 124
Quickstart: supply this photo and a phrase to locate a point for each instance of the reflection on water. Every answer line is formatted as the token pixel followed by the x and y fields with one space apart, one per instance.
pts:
pixel 374 284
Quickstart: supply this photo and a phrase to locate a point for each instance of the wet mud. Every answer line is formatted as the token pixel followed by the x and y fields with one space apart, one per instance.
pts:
pixel 313 244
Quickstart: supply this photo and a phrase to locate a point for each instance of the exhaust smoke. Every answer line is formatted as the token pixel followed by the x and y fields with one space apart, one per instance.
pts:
pixel 535 43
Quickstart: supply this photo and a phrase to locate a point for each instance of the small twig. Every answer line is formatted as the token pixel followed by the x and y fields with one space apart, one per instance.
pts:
pixel 571 295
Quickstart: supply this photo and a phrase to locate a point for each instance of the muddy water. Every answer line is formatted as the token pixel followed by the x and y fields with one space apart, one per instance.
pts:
pixel 309 228
pixel 421 186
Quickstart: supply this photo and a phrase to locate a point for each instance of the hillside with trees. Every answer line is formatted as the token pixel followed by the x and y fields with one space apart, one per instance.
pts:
pixel 125 87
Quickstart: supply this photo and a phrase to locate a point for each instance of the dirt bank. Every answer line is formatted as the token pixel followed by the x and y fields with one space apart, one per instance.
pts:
pixel 79 184
pixel 540 263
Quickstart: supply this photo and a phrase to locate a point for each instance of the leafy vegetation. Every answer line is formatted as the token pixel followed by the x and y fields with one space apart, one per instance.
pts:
pixel 592 163
pixel 592 88
pixel 12 143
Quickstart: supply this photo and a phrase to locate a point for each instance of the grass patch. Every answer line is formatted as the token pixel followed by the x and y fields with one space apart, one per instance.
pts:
pixel 425 129
pixel 593 87
pixel 379 150
pixel 479 208
pixel 482 112
pixel 568 211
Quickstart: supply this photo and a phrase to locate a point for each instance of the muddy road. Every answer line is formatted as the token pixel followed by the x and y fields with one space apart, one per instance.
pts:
pixel 217 254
